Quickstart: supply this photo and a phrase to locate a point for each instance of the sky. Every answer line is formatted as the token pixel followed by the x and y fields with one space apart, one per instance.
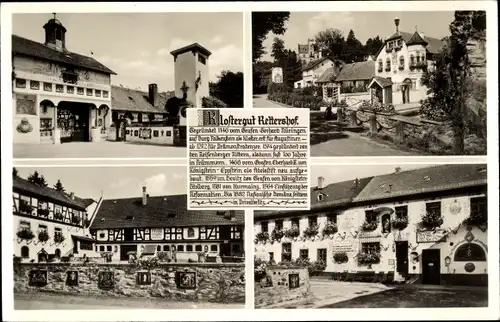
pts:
pixel 114 182
pixel 339 173
pixel 137 46
pixel 304 25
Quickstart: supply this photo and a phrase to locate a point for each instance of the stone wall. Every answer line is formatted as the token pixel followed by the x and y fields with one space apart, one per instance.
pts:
pixel 276 288
pixel 210 282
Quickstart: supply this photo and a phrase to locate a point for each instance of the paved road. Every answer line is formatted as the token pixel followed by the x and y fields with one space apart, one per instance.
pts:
pixel 103 149
pixel 44 301
pixel 354 145
pixel 261 101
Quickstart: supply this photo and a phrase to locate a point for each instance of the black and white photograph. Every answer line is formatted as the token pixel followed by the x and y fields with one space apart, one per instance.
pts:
pixel 117 85
pixel 378 236
pixel 122 239
pixel 408 83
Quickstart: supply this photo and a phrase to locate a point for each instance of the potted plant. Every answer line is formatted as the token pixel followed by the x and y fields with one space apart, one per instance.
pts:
pixel 400 223
pixel 311 231
pixel 58 238
pixel 262 236
pixel 293 232
pixel 25 233
pixel 43 236
pixel 340 257
pixel 369 225
pixel 330 229
pixel 431 220
pixel 277 234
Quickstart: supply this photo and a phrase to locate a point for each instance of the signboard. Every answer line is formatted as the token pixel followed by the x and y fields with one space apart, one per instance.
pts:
pixel 38 278
pixel 72 278
pixel 277 75
pixel 157 233
pixel 430 236
pixel 106 280
pixel 340 247
pixel 186 280
pixel 293 281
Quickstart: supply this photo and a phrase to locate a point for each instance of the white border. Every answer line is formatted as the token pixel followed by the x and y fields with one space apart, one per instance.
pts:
pixel 492 312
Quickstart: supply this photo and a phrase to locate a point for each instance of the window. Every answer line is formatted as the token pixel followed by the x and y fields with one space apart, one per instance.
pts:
pixel 418 58
pixel 197 248
pixel 101 235
pixel 278 224
pixel 312 220
pixel 401 62
pixel 470 252
pixel 158 248
pixel 329 92
pixel 59 88
pixel 264 226
pixel 214 248
pixel 401 212
pixel 166 248
pixel 388 65
pixel 97 93
pixel 202 59
pixel 320 197
pixel 79 91
pixel 370 248
pixel 84 245
pixel 25 252
pixel 331 219
pixel 478 206
pixel 189 248
pixel 24 225
pixel 304 254
pixel 190 232
pixel 296 222
pixel 20 83
pixel 400 42
pixel 101 248
pixel 433 208
pixel 155 133
pixel 321 255
pixel 105 94
pixel 35 85
pixel 89 91
pixel 380 65
pixel 271 256
pixel 42 228
pixel 286 252
pixel 57 231
pixel 412 59
pixel 169 133
pixel 180 248
pixel 47 87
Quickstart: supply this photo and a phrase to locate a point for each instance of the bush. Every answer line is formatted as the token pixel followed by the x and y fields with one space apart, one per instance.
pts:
pixel 297 100
pixel 311 231
pixel 162 256
pixel 276 88
pixel 58 238
pixel 212 102
pixel 148 263
pixel 340 257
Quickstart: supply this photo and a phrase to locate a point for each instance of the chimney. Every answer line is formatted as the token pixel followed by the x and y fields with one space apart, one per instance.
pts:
pixel 144 196
pixel 72 195
pixel 321 181
pixel 396 22
pixel 356 184
pixel 153 91
pixel 397 170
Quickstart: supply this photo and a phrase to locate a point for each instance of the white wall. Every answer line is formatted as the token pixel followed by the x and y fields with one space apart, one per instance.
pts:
pixel 185 70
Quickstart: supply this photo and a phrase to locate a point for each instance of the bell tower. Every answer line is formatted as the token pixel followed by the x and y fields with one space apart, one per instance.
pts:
pixel 191 73
pixel 55 34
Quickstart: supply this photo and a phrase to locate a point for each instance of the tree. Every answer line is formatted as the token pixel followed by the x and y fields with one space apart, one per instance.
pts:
pixel 448 83
pixel 37 179
pixel 261 76
pixel 59 187
pixel 229 88
pixel 331 43
pixel 278 50
pixel 292 68
pixel 262 24
pixel 372 46
pixel 15 173
pixel 353 49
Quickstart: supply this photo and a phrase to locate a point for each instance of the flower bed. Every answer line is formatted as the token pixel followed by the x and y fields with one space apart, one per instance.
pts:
pixel 340 258
pixel 377 107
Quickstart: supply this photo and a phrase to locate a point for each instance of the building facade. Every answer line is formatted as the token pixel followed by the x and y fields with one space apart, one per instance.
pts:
pixel 308 52
pixel 58 95
pixel 402 61
pixel 312 71
pixel 422 226
pixel 49 224
pixel 163 227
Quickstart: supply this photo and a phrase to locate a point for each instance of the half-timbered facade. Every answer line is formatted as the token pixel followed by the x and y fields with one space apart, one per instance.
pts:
pixel 162 226
pixel 427 225
pixel 49 224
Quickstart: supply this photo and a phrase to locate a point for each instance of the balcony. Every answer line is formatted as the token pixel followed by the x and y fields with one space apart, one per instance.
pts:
pixel 418 66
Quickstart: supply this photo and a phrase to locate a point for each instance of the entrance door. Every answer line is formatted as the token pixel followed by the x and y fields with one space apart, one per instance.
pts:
pixel 431 268
pixel 121 127
pixel 225 249
pixel 402 258
pixel 124 249
pixel 225 232
pixel 73 120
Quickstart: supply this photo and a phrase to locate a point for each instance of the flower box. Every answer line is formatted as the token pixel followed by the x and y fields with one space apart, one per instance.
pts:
pixel 293 232
pixel 277 234
pixel 25 233
pixel 58 238
pixel 43 212
pixel 368 258
pixel 75 220
pixel 25 207
pixel 311 231
pixel 330 229
pixel 400 223
pixel 58 216
pixel 431 220
pixel 43 236
pixel 340 258
pixel 262 237
pixel 401 68
pixel 369 226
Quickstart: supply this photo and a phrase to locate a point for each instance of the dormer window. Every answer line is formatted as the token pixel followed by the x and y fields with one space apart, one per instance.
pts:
pixel 320 196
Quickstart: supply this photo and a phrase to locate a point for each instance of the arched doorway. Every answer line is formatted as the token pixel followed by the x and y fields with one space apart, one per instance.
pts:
pixel 25 252
pixel 405 90
pixel 42 256
pixel 57 253
pixel 73 120
pixel 46 119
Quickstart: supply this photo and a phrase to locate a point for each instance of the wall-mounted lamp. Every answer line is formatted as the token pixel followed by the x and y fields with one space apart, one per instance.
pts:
pixel 447 262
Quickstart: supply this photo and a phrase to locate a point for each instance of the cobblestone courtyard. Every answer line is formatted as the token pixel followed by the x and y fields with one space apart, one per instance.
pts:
pixel 103 149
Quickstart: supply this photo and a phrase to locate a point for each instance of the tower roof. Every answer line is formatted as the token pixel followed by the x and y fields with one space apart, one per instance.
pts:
pixel 52 22
pixel 416 39
pixel 193 47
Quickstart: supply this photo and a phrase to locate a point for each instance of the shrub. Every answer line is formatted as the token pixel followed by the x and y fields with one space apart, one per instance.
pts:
pixel 292 232
pixel 400 223
pixel 431 220
pixel 315 268
pixel 277 234
pixel 43 236
pixel 212 102
pixel 275 87
pixel 17 260
pixel 25 233
pixel 259 268
pixel 311 231
pixel 330 229
pixel 340 257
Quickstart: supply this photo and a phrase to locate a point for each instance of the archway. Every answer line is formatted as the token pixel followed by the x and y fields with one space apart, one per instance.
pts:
pixel 405 90
pixel 42 256
pixel 57 253
pixel 102 114
pixel 470 252
pixel 25 252
pixel 46 118
pixel 74 121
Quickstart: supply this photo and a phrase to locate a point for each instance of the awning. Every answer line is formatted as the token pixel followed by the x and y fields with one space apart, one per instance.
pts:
pixel 149 250
pixel 383 210
pixel 83 238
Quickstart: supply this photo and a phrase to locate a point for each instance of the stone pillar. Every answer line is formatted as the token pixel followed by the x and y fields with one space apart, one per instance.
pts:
pixel 353 119
pixel 57 132
pixel 400 132
pixel 373 124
